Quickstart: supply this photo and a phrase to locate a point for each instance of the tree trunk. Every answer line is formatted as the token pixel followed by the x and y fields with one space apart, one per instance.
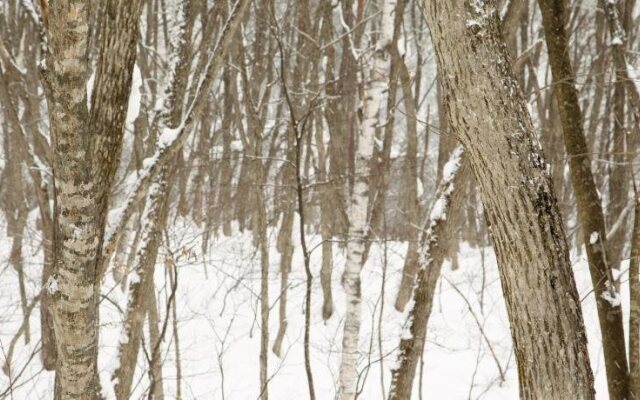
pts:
pixel 590 213
pixel 634 300
pixel 433 250
pixel 375 87
pixel 157 390
pixel 618 40
pixel 155 215
pixel 140 282
pixel 488 114
pixel 86 147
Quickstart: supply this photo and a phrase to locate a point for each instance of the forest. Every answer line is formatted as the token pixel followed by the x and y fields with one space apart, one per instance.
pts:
pixel 319 199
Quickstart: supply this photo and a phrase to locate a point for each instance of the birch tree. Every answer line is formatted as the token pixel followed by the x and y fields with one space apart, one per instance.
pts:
pixel 375 87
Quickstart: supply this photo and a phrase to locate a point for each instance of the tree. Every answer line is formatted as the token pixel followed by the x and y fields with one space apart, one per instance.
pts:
pixel 488 114
pixel 86 145
pixel 375 87
pixel 590 212
pixel 156 208
pixel 434 246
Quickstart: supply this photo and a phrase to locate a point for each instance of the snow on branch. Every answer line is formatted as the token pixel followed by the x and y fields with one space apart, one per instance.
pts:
pixel 172 138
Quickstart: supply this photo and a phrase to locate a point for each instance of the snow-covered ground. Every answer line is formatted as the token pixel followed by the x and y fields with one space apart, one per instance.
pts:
pixel 468 353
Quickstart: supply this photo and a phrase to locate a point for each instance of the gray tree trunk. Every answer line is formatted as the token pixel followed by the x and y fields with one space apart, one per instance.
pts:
pixel 86 147
pixel 488 114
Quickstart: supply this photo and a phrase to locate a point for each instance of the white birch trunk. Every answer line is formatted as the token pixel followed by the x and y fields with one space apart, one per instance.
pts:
pixel 374 92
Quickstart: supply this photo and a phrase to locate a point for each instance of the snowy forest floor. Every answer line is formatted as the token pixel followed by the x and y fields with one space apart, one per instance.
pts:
pixel 468 352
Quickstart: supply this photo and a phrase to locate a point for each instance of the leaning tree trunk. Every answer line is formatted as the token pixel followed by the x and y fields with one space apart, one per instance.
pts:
pixel 374 91
pixel 434 247
pixel 488 114
pixel 140 282
pixel 156 210
pixel 590 213
pixel 154 216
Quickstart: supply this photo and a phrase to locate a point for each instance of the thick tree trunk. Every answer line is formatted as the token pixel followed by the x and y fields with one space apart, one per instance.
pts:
pixel 374 91
pixel 75 231
pixel 86 147
pixel 590 213
pixel 488 114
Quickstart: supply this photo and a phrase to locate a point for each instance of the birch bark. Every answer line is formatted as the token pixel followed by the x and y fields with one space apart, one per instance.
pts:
pixel 376 86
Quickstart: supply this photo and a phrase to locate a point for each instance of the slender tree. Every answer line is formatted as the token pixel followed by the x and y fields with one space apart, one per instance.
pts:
pixel 590 212
pixel 374 91
pixel 433 249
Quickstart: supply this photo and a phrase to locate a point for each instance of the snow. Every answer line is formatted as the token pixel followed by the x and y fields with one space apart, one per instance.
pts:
pixel 217 305
pixel 52 286
pixel 134 277
pixel 612 297
pixel 438 212
pixel 419 187
pixel 169 136
pixel 149 161
pixel 616 273
pixel 236 145
pixel 593 238
pixel 90 85
pixel 135 98
pixel 439 209
pixel 482 14
pixel 452 165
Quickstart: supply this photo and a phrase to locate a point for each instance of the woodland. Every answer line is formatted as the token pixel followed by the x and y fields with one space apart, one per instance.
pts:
pixel 319 199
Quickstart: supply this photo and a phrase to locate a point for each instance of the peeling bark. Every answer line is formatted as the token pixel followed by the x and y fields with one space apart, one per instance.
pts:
pixel 376 85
